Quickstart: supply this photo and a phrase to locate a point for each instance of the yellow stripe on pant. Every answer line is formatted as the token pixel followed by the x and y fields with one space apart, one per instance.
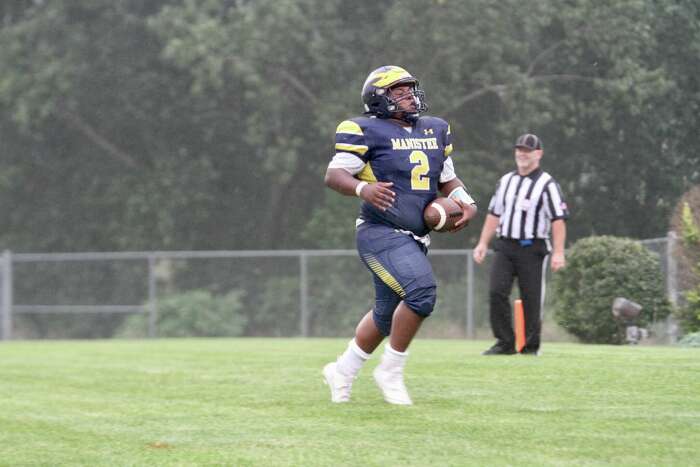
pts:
pixel 385 275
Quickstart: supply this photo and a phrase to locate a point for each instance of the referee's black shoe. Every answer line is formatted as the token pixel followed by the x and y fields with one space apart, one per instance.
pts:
pixel 499 350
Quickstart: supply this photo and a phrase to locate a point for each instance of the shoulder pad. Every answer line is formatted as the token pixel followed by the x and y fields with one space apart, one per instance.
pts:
pixel 349 127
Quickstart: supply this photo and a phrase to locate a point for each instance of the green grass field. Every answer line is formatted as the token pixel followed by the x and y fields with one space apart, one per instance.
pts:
pixel 262 402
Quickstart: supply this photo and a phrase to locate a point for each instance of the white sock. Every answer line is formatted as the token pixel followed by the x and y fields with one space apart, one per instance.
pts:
pixel 352 359
pixel 393 359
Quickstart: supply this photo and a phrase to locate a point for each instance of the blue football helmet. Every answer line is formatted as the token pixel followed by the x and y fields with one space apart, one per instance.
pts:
pixel 376 89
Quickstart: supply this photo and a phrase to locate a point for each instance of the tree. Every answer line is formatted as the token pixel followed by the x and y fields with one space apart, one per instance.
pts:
pixel 183 124
pixel 96 162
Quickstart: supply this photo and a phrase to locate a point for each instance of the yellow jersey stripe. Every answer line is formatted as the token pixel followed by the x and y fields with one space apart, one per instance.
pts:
pixel 448 150
pixel 357 148
pixel 385 276
pixel 350 128
pixel 366 174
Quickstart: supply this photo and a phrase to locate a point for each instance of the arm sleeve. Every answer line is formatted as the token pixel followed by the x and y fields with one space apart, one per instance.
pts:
pixel 448 171
pixel 496 203
pixel 557 206
pixel 345 160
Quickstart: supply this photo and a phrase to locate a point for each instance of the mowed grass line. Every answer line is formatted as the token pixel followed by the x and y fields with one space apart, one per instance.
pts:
pixel 262 402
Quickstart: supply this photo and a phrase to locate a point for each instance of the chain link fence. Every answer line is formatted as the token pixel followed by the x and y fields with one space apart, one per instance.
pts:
pixel 308 293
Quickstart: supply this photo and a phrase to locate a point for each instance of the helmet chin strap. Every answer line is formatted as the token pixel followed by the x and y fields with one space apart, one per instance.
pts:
pixel 407 117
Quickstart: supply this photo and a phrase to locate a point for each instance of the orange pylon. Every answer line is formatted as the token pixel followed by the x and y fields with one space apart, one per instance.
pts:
pixel 519 325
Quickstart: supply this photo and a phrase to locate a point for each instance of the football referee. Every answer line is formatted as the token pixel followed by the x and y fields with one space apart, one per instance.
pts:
pixel 526 207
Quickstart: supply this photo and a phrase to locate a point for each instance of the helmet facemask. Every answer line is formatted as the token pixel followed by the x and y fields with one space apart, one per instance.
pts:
pixel 418 97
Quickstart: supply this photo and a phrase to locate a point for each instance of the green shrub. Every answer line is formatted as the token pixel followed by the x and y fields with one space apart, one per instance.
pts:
pixel 276 311
pixel 335 308
pixel 689 314
pixel 196 313
pixel 598 270
pixel 690 340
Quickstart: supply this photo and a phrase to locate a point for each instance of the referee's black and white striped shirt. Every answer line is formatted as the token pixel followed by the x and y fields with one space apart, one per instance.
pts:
pixel 527 205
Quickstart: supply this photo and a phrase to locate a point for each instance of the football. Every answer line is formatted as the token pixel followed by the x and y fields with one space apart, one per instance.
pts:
pixel 441 214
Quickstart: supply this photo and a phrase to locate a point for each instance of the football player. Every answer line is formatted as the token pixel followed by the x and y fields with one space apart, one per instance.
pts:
pixel 396 160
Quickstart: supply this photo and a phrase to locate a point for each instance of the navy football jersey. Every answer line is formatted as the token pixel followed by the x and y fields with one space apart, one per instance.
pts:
pixel 412 161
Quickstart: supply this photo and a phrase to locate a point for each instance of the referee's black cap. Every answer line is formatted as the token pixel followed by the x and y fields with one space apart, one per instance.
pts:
pixel 528 141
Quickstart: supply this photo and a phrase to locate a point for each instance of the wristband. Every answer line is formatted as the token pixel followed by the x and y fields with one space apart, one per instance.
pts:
pixel 461 194
pixel 359 187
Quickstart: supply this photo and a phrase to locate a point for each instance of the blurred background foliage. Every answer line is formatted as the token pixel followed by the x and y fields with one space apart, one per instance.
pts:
pixel 208 124
pixel 687 251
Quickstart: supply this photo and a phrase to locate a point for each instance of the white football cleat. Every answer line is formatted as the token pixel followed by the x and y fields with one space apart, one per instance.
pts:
pixel 339 383
pixel 391 383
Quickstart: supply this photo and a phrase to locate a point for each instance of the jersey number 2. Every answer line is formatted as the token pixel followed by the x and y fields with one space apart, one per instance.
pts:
pixel 419 180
